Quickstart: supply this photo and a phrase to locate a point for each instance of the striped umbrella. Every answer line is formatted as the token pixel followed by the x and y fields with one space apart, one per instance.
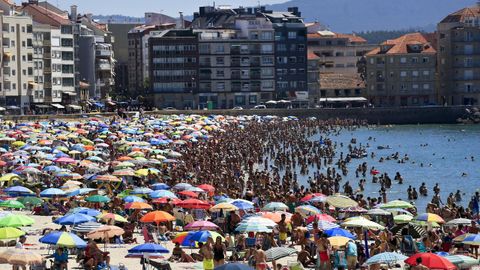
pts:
pixel 201 225
pixel 430 217
pixel 323 225
pixel 63 239
pixel 277 253
pixel 462 261
pixel 416 231
pixel 386 257
pixel 472 239
pixel 275 206
pixel 307 210
pixel 253 227
pixel 86 227
pixel 458 221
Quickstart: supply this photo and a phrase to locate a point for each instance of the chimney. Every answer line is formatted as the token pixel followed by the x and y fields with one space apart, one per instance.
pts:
pixel 73 13
pixel 180 21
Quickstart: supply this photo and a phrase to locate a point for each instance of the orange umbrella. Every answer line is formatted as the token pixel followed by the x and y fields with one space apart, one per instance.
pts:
pixel 157 217
pixel 138 205
pixel 88 147
pixel 107 177
pixel 276 216
pixel 188 193
pixel 124 158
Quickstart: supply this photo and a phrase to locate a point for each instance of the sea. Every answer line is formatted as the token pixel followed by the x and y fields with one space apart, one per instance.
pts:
pixel 444 154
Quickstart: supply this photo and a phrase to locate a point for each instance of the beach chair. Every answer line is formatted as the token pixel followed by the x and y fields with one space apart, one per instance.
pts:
pixel 146 235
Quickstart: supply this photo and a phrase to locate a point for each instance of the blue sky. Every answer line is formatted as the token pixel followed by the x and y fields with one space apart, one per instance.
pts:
pixel 139 7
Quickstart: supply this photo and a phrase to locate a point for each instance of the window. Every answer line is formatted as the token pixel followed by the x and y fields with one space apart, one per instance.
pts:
pixel 403 60
pixel 468 87
pixel 403 74
pixel 292 35
pixel 267 60
pixel 415 73
pixel 414 86
pixel 14 86
pixel 220 48
pixel 426 73
pixel 372 61
pixel 292 59
pixel 468 74
pixel 468 36
pixel 220 61
pixel 425 60
pixel 240 100
pixel 23 29
pixel 267 84
pixel 426 86
pixel 281 47
pixel 468 49
pixel 293 71
pixel 266 36
pixel 414 60
pixel 267 48
pixel 220 86
pixel 12 29
pixel 13 72
pixel 220 73
pixel 392 60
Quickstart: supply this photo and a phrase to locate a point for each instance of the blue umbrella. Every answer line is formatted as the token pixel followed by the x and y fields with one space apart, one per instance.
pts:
pixel 339 232
pixel 160 186
pixel 80 191
pixel 240 204
pixel 163 194
pixel 52 168
pixel 181 186
pixel 442 253
pixel 386 257
pixel 18 189
pixel 142 190
pixel 132 198
pixel 148 248
pixel 51 192
pixel 85 211
pixel 64 239
pixel 234 266
pixel 75 218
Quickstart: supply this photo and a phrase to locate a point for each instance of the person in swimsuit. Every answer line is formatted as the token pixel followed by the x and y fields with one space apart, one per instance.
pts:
pixel 323 260
pixel 207 252
pixel 260 258
pixel 219 252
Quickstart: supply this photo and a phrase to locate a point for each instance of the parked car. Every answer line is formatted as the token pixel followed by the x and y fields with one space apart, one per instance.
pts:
pixel 169 109
pixel 259 107
pixel 238 108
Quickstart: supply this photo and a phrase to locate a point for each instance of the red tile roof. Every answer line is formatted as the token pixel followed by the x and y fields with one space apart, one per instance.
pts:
pixel 401 45
pixel 460 15
pixel 350 37
pixel 44 16
pixel 312 56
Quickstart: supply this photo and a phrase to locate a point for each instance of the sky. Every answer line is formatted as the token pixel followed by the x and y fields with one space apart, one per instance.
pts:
pixel 137 8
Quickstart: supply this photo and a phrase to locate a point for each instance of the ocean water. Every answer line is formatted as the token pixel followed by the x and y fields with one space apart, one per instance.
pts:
pixel 446 156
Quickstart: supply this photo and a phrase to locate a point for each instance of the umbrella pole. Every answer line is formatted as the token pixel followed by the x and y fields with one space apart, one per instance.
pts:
pixel 367 253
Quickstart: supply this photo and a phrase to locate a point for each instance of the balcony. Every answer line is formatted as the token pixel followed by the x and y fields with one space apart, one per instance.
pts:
pixel 47 85
pixel 104 67
pixel 47 70
pixel 47 43
pixel 103 53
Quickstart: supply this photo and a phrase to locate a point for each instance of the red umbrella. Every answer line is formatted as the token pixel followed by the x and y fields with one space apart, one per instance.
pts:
pixel 311 196
pixel 166 200
pixel 65 160
pixel 320 217
pixel 207 187
pixel 194 204
pixel 431 260
pixel 201 225
pixel 188 193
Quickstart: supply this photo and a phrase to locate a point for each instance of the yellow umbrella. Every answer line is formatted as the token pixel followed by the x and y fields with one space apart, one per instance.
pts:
pixel 223 206
pixel 8 177
pixel 109 216
pixel 341 201
pixel 144 172
pixel 18 144
pixel 338 241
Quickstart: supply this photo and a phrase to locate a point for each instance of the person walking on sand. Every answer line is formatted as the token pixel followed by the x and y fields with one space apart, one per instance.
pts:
pixel 207 252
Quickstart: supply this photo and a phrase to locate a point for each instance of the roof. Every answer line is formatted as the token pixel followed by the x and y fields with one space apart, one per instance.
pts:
pixel 328 34
pixel 340 81
pixel 401 45
pixel 312 56
pixel 460 15
pixel 44 16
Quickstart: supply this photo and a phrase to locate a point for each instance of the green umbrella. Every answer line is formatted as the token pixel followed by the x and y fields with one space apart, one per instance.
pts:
pixel 402 218
pixel 30 200
pixel 98 199
pixel 397 204
pixel 124 193
pixel 462 261
pixel 16 221
pixel 12 204
pixel 10 233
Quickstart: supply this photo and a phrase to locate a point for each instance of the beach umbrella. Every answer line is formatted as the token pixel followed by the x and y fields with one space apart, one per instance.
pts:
pixel 429 217
pixel 320 217
pixel 275 206
pixel 18 256
pixel 202 236
pixel 378 212
pixel 338 241
pixel 396 204
pixel 310 196
pixel 141 190
pixel 52 192
pixel 162 194
pixel 51 168
pixel 72 219
pixel 234 266
pixel 323 225
pixel 276 216
pixel 462 261
pixel 166 200
pixel 386 258
pixel 18 190
pixel 361 222
pixel 124 172
pixel 253 227
pixel 258 220
pixel 80 191
pixel 458 221
pixel 339 232
pixel 276 253
pixel 340 201
pixel 16 221
pixel 85 211
pixel 106 178
pixel 207 188
pixel 110 216
pixel 472 239
pixel 227 207
pixel 145 172
pixel 10 233
pixel 431 260
pixel 63 239
pixel 30 201
pixel 157 217
pixel 105 232
pixel 416 231
pixel 86 227
pixel 307 210
pixel 12 204
pixel 138 205
pixel 97 199
pixel 402 218
pixel 181 186
pixel 160 186
pixel 354 209
pixel 201 225
pixel 132 198
pixel 9 177
pixel 65 160
pixel 194 204
pixel 148 248
pixel 188 193
pixel 242 204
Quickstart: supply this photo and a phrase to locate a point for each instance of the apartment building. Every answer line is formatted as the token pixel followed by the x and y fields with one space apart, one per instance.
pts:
pixel 313 80
pixel 290 52
pixel 401 72
pixel 339 53
pixel 458 57
pixel 173 68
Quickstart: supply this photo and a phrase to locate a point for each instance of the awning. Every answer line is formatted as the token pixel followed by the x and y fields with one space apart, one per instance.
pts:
pixel 58 106
pixel 41 106
pixel 32 83
pixel 13 108
pixel 111 103
pixel 344 99
pixel 75 107
pixel 2 109
pixel 98 104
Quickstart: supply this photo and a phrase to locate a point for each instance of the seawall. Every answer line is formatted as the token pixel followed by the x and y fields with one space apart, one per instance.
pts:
pixel 401 115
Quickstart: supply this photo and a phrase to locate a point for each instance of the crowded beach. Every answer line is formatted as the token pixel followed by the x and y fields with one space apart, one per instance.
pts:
pixel 215 192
